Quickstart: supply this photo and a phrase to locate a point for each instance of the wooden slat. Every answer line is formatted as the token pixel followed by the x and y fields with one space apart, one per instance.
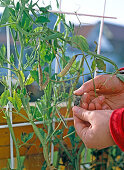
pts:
pixel 32 149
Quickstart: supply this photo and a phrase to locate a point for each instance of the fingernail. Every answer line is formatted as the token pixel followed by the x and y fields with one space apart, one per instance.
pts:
pixel 74 91
pixel 78 90
pixel 76 109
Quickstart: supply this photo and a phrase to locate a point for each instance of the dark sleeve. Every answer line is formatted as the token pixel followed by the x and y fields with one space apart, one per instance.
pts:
pixel 116 125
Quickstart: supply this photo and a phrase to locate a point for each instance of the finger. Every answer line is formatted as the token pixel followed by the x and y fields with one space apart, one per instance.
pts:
pixel 81 113
pixel 98 106
pixel 84 106
pixel 91 106
pixel 85 98
pixel 78 123
pixel 80 127
pixel 89 85
pixel 106 107
pixel 98 102
pixel 99 99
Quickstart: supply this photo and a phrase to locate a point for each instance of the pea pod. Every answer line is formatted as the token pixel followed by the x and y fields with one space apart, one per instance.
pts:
pixel 67 67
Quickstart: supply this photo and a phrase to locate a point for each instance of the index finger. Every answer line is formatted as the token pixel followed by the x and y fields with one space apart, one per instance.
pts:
pixel 89 85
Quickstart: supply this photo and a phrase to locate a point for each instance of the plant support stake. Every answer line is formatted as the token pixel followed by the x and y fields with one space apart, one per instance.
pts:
pixel 9 104
pixel 100 36
pixel 56 71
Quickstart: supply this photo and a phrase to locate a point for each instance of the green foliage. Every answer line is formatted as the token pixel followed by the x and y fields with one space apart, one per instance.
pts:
pixel 26 137
pixel 72 136
pixel 80 42
pixel 29 80
pixel 16 101
pixel 2 55
pixel 74 67
pixel 34 75
pixel 42 20
pixel 98 63
pixel 4 98
pixel 5 16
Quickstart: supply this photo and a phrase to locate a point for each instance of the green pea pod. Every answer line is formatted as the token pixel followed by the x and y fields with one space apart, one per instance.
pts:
pixel 67 67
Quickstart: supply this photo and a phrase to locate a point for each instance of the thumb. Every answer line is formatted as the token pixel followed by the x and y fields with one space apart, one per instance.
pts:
pixel 81 113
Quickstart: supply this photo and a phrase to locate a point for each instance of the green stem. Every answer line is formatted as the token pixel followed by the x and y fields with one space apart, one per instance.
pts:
pixel 73 87
pixel 21 53
pixel 90 74
pixel 43 142
pixel 78 155
pixel 16 51
pixel 65 149
pixel 15 142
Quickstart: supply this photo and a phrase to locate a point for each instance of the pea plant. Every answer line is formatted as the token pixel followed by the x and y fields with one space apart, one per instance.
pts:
pixel 28 24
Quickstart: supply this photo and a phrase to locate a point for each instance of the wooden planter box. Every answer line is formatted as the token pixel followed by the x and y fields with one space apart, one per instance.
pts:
pixel 31 151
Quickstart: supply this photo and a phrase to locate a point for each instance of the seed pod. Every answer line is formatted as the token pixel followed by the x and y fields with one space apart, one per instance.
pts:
pixel 40 76
pixel 46 82
pixel 67 67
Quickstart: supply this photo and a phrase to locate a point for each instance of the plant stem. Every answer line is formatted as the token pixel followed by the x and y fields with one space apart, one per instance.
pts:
pixel 38 134
pixel 15 142
pixel 43 142
pixel 73 87
pixel 78 155
pixel 16 51
pixel 90 74
pixel 21 53
pixel 65 149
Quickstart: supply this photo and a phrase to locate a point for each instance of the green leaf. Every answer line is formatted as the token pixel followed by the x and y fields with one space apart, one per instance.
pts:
pixel 17 6
pixel 102 58
pixel 4 98
pixel 44 10
pixel 120 76
pixel 74 67
pixel 80 42
pixel 29 80
pixel 12 58
pixel 93 66
pixel 53 36
pixel 38 29
pixel 42 20
pixel 26 137
pixel 2 55
pixel 3 50
pixel 58 132
pixel 34 75
pixel 7 2
pixel 23 91
pixel 100 64
pixel 22 76
pixel 5 16
pixel 16 101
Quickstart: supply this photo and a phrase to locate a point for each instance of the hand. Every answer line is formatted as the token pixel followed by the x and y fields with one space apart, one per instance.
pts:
pixel 93 127
pixel 110 93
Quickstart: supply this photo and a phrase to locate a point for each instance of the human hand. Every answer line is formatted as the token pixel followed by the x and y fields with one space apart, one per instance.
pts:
pixel 93 127
pixel 110 93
